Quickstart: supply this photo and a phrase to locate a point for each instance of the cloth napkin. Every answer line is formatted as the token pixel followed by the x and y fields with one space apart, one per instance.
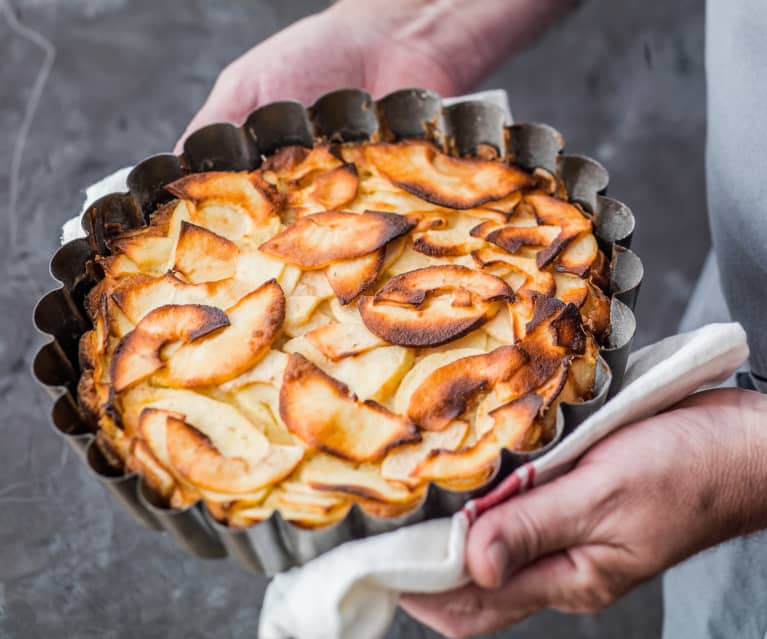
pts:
pixel 351 592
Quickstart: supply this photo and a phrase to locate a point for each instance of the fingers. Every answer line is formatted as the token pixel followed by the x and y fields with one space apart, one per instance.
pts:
pixel 545 520
pixel 568 581
pixel 473 610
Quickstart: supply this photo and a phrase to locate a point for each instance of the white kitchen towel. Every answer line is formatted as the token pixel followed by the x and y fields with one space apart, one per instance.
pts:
pixel 117 181
pixel 351 592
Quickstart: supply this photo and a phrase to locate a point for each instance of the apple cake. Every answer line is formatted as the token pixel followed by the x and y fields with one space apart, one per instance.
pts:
pixel 344 324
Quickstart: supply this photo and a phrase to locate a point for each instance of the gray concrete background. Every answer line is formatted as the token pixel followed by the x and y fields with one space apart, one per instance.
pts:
pixel 622 80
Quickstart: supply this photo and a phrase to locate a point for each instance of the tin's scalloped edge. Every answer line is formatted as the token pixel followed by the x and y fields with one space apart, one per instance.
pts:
pixel 348 114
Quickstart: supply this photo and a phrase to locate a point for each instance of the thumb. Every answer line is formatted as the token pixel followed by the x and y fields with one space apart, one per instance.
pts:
pixel 526 527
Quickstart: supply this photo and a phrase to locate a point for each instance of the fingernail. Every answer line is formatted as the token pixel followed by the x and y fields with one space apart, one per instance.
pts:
pixel 498 557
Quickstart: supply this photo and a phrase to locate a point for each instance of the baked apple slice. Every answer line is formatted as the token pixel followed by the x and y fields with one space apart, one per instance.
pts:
pixel 241 189
pixel 196 458
pixel 329 474
pixel 349 278
pixel 337 341
pixel 291 164
pixel 330 190
pixel 253 324
pixel 422 369
pixel 203 256
pixel 142 294
pixel 512 238
pixel 558 213
pixel 218 420
pixel 447 392
pixel 399 463
pixel 137 355
pixel 579 255
pixel 511 424
pixel 527 277
pixel 376 373
pixel 433 305
pixel 459 183
pixel 317 240
pixel 327 416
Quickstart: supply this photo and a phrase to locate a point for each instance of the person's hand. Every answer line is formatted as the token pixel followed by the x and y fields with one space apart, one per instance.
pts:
pixel 380 46
pixel 642 500
pixel 330 50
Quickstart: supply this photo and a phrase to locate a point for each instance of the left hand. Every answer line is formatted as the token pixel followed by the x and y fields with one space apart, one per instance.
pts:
pixel 642 500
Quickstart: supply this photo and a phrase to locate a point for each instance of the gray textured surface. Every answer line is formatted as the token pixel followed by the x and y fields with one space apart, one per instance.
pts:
pixel 622 80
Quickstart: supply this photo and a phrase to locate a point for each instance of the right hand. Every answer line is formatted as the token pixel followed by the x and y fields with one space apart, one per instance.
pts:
pixel 340 47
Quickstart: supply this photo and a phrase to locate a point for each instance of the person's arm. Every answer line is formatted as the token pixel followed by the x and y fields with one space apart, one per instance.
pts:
pixel 381 46
pixel 642 500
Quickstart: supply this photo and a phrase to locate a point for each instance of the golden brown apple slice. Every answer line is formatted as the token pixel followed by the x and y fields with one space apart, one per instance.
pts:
pixel 327 473
pixel 554 334
pixel 512 238
pixel 446 393
pixel 506 205
pixel 345 313
pixel 422 369
pixel 137 355
pixel 254 268
pixel 376 373
pixel 459 183
pixel 579 255
pixel 267 371
pixel 147 250
pixel 152 247
pixel 400 462
pixel 414 287
pixel 335 188
pixel 261 403
pixel 196 459
pixel 308 499
pixel 327 416
pixel 595 311
pixel 316 241
pixel 227 427
pixel 203 256
pixel 408 260
pixel 293 163
pixel 313 283
pixel 142 461
pixel 501 327
pixel 299 310
pixel 571 289
pixel 253 323
pixel 559 213
pixel 337 341
pixel 449 242
pixel 533 280
pixel 142 294
pixel 244 190
pixel 437 321
pixel 320 316
pixel 351 277
pixel 511 423
pixel 433 305
pixel 117 266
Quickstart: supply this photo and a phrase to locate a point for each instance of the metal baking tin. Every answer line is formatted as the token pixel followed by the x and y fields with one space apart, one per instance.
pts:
pixel 345 115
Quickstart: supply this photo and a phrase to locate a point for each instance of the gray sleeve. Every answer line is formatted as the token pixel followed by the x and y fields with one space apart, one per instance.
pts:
pixel 736 162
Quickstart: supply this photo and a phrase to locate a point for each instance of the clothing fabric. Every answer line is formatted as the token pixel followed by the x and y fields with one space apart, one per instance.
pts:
pixel 736 162
pixel 722 593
